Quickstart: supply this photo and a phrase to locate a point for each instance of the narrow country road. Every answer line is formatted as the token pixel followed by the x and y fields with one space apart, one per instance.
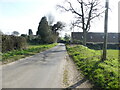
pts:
pixel 43 70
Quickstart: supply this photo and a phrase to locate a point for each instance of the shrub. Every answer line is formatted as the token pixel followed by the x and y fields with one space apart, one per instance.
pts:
pixel 10 42
pixel 77 42
pixel 99 46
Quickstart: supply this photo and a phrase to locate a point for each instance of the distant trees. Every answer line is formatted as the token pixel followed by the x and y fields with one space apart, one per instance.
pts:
pixel 67 38
pixel 30 32
pixel 48 33
pixel 15 33
pixel 85 11
pixel 24 35
pixel 30 35
pixel 58 26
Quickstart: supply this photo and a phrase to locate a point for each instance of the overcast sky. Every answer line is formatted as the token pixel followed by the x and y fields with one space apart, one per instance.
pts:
pixel 21 15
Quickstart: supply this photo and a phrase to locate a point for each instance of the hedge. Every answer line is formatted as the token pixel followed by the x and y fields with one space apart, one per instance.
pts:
pixel 10 42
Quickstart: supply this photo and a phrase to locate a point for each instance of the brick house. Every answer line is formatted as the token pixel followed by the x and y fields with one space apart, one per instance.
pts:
pixel 96 37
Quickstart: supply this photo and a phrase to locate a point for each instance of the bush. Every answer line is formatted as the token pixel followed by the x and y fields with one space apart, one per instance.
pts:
pixel 77 42
pixel 10 42
pixel 99 46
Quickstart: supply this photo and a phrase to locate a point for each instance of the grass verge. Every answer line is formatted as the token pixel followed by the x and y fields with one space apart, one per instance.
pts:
pixel 103 74
pixel 18 54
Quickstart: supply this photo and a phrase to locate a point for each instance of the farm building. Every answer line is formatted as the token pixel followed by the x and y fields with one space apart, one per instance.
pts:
pixel 95 37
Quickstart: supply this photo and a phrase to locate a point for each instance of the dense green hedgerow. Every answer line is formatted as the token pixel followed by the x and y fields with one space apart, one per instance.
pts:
pixel 102 74
pixel 99 46
pixel 10 42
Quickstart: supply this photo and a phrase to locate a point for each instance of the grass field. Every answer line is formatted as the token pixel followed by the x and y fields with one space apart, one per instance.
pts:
pixel 113 53
pixel 17 54
pixel 104 74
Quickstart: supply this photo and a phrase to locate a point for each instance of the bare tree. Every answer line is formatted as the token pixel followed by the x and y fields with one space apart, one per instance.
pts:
pixel 72 25
pixel 85 12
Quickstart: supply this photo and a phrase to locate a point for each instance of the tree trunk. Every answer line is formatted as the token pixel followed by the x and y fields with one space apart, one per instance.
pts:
pixel 105 32
pixel 56 39
pixel 84 37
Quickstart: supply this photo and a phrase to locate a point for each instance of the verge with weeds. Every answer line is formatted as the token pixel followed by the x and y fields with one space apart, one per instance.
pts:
pixel 31 50
pixel 102 74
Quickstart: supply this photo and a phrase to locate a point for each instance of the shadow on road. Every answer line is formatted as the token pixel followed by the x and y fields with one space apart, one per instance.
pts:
pixel 58 51
pixel 77 84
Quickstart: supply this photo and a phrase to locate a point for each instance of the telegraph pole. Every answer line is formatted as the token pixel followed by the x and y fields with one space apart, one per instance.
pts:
pixel 105 30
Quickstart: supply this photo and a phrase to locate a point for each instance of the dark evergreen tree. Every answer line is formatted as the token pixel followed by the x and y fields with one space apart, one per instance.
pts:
pixel 44 30
pixel 30 32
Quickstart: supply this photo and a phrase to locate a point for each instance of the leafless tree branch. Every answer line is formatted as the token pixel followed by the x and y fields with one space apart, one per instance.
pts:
pixel 88 11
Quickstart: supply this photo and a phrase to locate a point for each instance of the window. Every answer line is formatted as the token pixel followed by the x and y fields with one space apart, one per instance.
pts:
pixel 82 37
pixel 114 37
pixel 91 37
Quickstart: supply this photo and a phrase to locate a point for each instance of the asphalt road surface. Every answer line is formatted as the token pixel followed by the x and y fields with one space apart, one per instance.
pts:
pixel 43 70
